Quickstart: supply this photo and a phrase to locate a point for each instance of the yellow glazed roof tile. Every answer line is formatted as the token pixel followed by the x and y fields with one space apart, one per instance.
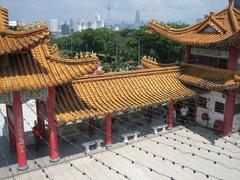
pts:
pixel 38 68
pixel 222 27
pixel 200 76
pixel 21 38
pixel 111 93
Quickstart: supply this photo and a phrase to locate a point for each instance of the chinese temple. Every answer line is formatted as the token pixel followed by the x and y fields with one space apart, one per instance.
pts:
pixel 211 64
pixel 32 69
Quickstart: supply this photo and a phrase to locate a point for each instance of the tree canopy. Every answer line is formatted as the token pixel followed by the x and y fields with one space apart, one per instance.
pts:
pixel 122 44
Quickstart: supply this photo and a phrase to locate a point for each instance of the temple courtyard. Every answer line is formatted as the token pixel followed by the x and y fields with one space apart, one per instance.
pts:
pixel 185 152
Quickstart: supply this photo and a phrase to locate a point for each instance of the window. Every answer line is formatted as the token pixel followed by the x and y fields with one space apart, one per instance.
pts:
pixel 202 102
pixel 219 107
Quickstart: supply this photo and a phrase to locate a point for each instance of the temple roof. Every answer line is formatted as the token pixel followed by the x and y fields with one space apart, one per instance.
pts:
pixel 217 28
pixel 199 76
pixel 148 62
pixel 209 78
pixel 112 93
pixel 39 68
pixel 21 38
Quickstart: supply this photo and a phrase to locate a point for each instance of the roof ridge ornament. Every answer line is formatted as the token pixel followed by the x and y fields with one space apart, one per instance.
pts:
pixel 230 3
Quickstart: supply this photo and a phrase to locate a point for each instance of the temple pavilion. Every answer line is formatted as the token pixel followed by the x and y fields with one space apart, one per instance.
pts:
pixel 32 68
pixel 211 64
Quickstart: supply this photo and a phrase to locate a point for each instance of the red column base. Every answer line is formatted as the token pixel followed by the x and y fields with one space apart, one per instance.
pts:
pixel 19 132
pixel 170 115
pixel 54 160
pixel 52 124
pixel 229 112
pixel 22 169
pixel 108 131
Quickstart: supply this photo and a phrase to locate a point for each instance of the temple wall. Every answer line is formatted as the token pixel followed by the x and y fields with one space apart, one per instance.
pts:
pixel 216 112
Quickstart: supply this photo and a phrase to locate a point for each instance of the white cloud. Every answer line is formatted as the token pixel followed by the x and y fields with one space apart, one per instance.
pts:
pixel 168 10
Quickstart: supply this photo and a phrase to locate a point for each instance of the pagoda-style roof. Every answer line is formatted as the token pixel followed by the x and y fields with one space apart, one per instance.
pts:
pixel 148 62
pixel 20 38
pixel 116 92
pixel 199 76
pixel 217 28
pixel 209 78
pixel 39 68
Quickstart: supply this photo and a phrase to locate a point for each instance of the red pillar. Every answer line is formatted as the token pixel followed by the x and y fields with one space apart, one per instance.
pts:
pixel 232 60
pixel 91 125
pixel 108 130
pixel 11 135
pixel 187 55
pixel 229 112
pixel 19 132
pixel 52 125
pixel 40 118
pixel 170 114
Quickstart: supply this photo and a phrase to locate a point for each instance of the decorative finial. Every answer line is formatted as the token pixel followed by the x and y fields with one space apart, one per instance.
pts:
pixel 230 2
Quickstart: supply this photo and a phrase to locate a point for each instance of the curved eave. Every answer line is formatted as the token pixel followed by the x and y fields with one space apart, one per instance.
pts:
pixel 209 78
pixel 117 92
pixel 35 70
pixel 201 83
pixel 225 26
pixel 17 41
pixel 150 62
pixel 193 38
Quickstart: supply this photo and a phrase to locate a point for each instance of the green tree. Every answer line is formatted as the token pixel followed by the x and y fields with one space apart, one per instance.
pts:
pixel 108 43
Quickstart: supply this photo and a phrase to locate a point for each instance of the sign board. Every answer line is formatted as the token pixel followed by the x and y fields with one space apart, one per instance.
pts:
pixel 210 53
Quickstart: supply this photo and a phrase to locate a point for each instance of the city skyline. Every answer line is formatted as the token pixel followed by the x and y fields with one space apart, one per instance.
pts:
pixel 173 10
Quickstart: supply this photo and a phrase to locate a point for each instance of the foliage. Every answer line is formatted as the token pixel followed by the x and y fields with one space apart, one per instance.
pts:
pixel 121 46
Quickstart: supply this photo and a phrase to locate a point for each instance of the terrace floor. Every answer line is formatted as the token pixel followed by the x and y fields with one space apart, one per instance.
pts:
pixel 185 152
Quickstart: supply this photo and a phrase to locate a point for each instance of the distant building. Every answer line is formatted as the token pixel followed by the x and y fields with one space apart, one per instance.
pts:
pixel 71 26
pixel 65 29
pixel 98 23
pixel 84 25
pixel 137 19
pixel 54 26
pixel 89 24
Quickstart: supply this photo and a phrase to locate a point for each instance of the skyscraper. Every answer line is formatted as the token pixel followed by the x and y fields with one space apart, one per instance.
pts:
pixel 54 26
pixel 98 23
pixel 71 25
pixel 65 29
pixel 137 19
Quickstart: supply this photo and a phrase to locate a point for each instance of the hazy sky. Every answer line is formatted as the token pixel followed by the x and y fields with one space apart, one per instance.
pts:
pixel 165 10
